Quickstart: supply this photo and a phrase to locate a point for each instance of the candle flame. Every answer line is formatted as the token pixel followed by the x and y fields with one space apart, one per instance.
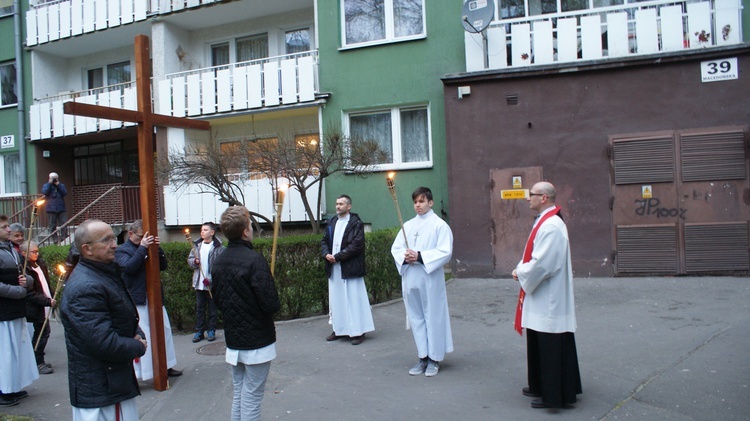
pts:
pixel 391 175
pixel 61 269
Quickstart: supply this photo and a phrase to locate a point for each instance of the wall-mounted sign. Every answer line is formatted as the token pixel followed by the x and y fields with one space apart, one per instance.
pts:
pixel 517 184
pixel 7 141
pixel 719 70
pixel 514 194
pixel 647 192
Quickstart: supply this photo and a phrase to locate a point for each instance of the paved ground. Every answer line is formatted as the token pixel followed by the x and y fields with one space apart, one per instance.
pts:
pixel 649 349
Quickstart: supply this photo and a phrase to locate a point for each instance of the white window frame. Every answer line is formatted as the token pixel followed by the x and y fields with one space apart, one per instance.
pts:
pixel 105 76
pixel 395 112
pixel 10 63
pixel 232 42
pixel 4 193
pixel 389 27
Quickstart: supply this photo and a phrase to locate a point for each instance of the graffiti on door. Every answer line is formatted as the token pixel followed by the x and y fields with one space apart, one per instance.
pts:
pixel 648 207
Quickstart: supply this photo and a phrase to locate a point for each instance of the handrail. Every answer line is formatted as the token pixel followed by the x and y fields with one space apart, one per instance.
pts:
pixel 311 53
pixel 12 217
pixel 82 211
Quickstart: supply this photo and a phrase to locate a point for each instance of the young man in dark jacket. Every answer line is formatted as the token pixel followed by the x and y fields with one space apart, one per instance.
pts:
pixel 131 256
pixel 245 294
pixel 101 331
pixel 201 258
pixel 343 248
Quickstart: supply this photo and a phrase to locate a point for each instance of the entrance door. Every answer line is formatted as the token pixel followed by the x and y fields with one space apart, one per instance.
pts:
pixel 680 202
pixel 511 218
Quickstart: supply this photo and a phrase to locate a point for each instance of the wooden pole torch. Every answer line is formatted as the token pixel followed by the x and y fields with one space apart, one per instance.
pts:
pixel 276 222
pixel 60 283
pixel 392 188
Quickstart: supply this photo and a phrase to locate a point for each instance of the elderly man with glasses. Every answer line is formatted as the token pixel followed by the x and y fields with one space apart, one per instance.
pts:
pixel 101 331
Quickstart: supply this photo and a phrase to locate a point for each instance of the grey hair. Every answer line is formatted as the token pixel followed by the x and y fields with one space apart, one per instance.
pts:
pixel 16 227
pixel 82 233
pixel 26 245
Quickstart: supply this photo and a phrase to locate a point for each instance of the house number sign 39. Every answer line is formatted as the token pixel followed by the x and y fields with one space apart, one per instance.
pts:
pixel 719 70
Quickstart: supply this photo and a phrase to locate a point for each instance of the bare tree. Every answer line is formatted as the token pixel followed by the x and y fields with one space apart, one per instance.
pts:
pixel 305 161
pixel 213 166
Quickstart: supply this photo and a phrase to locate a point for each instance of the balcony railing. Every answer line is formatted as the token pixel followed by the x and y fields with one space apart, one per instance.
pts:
pixel 649 27
pixel 193 205
pixel 50 21
pixel 282 80
pixel 47 120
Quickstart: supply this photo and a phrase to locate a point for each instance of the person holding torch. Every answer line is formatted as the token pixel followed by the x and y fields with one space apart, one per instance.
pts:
pixel 201 259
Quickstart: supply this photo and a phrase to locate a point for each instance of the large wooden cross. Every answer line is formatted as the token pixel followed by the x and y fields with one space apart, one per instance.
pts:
pixel 146 120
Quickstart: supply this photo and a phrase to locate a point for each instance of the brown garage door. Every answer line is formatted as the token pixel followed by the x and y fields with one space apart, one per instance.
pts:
pixel 681 202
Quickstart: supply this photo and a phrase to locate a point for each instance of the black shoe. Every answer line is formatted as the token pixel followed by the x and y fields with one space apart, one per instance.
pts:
pixel 527 392
pixel 356 340
pixel 538 403
pixel 16 395
pixel 174 373
pixel 8 402
pixel 333 337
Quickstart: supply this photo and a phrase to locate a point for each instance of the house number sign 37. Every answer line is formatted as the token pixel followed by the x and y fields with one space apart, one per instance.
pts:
pixel 7 141
pixel 719 70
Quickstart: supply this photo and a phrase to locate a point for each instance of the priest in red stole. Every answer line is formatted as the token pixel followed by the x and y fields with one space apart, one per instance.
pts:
pixel 546 306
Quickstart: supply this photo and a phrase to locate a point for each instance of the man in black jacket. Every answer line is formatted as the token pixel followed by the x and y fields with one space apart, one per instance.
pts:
pixel 101 330
pixel 131 256
pixel 343 248
pixel 246 296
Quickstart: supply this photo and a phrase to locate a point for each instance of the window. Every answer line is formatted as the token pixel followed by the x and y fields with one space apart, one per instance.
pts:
pixel 10 167
pixel 373 21
pixel 403 133
pixel 242 49
pixel 8 84
pixel 297 41
pixel 113 73
pixel 99 163
pixel 6 7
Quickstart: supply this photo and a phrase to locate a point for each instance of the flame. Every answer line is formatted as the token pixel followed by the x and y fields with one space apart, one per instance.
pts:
pixel 284 187
pixel 61 269
pixel 39 202
pixel 187 230
pixel 391 175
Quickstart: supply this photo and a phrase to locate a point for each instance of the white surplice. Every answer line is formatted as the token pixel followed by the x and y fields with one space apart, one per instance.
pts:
pixel 17 362
pixel 423 284
pixel 348 303
pixel 144 368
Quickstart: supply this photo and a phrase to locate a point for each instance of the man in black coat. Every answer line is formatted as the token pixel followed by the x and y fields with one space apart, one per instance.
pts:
pixel 246 296
pixel 101 330
pixel 343 248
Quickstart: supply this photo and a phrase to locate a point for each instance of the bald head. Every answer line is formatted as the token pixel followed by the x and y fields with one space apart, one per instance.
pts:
pixel 547 189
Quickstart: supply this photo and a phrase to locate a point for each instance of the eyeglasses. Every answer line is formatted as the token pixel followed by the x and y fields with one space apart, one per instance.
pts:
pixel 34 252
pixel 536 194
pixel 106 240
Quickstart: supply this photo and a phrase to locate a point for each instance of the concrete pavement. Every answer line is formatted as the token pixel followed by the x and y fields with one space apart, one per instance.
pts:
pixel 649 349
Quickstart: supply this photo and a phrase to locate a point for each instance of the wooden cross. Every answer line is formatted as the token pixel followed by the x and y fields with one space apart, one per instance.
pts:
pixel 146 120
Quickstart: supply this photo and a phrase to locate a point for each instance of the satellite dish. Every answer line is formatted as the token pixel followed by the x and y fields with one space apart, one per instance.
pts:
pixel 477 15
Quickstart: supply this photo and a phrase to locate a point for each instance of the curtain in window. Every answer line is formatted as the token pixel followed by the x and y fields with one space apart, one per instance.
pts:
pixel 364 20
pixel 373 127
pixel 219 54
pixel 414 139
pixel 8 84
pixel 407 17
pixel 12 170
pixel 118 73
pixel 297 41
pixel 252 48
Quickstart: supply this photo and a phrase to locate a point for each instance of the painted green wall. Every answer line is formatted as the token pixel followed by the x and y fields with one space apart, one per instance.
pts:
pixel 389 75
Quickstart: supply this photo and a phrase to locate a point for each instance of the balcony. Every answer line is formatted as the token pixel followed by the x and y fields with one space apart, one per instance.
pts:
pixel 193 206
pixel 649 27
pixel 271 82
pixel 47 120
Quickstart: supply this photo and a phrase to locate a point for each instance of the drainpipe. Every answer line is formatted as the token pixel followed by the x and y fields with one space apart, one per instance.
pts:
pixel 20 91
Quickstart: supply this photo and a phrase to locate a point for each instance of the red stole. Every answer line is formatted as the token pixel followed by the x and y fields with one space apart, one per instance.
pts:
pixel 526 258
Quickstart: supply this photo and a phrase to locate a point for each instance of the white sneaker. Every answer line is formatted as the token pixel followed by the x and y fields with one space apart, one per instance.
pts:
pixel 418 368
pixel 432 368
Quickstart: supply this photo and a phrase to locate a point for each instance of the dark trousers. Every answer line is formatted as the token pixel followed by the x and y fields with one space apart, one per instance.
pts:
pixel 202 298
pixel 55 220
pixel 552 363
pixel 39 351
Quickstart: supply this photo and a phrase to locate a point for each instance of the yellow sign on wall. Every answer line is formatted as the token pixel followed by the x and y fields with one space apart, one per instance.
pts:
pixel 514 194
pixel 647 192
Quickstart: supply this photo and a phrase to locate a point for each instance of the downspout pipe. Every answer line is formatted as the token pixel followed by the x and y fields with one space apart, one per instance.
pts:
pixel 20 94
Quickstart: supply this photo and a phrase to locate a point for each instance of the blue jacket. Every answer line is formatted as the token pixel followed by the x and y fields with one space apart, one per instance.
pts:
pixel 101 322
pixel 131 258
pixel 55 197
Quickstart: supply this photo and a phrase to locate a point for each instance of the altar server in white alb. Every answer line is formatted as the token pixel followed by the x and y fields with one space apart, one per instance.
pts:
pixel 343 248
pixel 547 306
pixel 420 264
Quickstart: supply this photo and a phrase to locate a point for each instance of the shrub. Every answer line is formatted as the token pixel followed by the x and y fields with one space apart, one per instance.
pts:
pixel 299 274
